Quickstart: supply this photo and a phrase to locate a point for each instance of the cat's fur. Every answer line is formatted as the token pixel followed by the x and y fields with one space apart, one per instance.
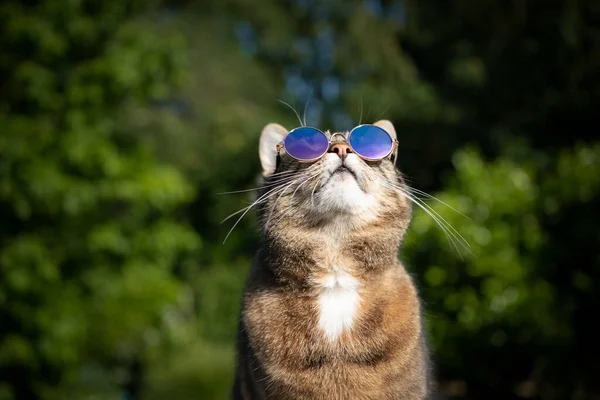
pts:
pixel 329 312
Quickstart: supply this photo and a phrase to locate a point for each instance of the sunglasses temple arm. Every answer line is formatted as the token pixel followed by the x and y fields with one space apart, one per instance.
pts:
pixel 278 158
pixel 394 156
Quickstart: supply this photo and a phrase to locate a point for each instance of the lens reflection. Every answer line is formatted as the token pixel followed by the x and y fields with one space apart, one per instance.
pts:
pixel 370 141
pixel 306 143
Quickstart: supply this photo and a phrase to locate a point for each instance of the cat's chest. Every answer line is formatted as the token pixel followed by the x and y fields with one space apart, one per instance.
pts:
pixel 337 302
pixel 338 294
pixel 327 313
pixel 337 324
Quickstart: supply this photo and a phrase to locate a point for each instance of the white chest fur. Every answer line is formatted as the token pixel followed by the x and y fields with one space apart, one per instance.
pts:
pixel 338 302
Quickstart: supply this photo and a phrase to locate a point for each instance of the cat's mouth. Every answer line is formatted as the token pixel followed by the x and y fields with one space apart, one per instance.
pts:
pixel 344 169
pixel 344 172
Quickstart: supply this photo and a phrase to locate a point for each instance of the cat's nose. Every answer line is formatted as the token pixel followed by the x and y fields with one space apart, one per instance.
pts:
pixel 341 149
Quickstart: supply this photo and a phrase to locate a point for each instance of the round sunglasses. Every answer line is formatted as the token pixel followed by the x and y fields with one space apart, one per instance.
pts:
pixel 369 142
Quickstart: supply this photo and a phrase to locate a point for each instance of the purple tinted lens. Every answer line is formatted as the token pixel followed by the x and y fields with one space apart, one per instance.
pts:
pixel 370 141
pixel 306 143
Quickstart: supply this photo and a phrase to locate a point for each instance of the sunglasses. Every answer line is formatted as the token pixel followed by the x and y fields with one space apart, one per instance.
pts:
pixel 369 142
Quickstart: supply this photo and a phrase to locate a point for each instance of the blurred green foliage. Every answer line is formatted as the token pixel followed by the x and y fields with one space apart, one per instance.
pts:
pixel 90 231
pixel 121 122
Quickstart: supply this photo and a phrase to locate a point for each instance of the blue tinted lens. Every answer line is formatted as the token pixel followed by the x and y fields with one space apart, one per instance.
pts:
pixel 306 143
pixel 370 141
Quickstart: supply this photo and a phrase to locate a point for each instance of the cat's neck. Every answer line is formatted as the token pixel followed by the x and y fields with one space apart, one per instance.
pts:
pixel 302 256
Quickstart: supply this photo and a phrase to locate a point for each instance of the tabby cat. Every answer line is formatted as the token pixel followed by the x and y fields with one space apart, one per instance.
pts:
pixel 329 312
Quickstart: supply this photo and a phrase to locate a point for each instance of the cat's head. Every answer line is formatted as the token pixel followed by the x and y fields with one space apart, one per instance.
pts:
pixel 339 189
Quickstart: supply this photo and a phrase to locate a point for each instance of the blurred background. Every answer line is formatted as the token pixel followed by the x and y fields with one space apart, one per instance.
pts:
pixel 122 121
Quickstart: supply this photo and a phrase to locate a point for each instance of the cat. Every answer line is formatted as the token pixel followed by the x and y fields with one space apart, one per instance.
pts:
pixel 329 311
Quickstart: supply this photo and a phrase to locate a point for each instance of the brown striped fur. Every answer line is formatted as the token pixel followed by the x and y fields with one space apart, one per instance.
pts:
pixel 282 352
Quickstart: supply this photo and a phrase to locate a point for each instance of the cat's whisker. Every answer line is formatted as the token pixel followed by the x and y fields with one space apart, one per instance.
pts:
pixel 306 107
pixel 299 186
pixel 282 173
pixel 444 229
pixel 269 184
pixel 239 191
pixel 384 111
pixel 275 204
pixel 422 193
pixel 289 209
pixel 318 172
pixel 233 215
pixel 451 233
pixel 289 180
pixel 312 193
pixel 261 199
pixel 442 222
pixel 280 176
pixel 258 201
pixel 404 190
pixel 294 110
pixel 361 110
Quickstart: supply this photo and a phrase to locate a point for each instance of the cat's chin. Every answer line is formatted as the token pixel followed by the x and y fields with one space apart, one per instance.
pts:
pixel 343 195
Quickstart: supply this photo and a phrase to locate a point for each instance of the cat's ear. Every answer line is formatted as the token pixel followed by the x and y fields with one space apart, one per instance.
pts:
pixel 271 135
pixel 386 126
